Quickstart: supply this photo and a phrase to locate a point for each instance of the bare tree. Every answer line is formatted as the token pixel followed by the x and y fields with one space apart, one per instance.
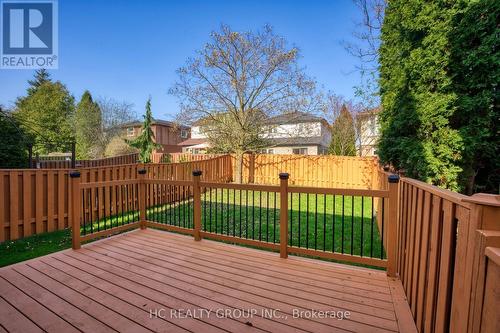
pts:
pixel 365 47
pixel 114 114
pixel 236 82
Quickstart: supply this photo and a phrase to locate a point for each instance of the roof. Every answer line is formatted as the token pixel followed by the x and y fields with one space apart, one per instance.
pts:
pixel 192 142
pixel 295 118
pixel 369 112
pixel 296 141
pixel 155 121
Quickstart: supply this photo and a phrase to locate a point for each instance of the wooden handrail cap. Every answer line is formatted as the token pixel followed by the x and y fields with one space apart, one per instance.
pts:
pixel 484 199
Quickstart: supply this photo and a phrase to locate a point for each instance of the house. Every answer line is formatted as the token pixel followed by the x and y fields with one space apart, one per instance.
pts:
pixel 369 129
pixel 167 134
pixel 298 133
pixel 289 133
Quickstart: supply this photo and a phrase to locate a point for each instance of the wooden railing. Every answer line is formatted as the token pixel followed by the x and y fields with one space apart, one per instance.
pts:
pixel 441 261
pixel 34 201
pixel 330 223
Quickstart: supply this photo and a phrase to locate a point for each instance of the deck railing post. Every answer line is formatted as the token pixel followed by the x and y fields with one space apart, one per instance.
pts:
pixel 197 205
pixel 76 199
pixel 284 215
pixel 392 225
pixel 142 197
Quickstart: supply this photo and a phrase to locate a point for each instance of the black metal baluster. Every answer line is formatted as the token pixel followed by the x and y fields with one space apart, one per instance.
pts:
pixel 116 207
pixel 189 207
pixel 343 201
pixel 260 215
pixel 90 212
pixel 371 233
pixel 234 212
pixel 352 225
pixel 382 236
pixel 210 211
pixel 216 204
pixel 121 195
pixel 204 208
pixel 246 213
pixel 334 220
pixel 267 217
pixel 240 212
pixel 316 223
pixel 300 239
pixel 274 217
pixel 98 207
pixel 228 212
pixel 165 205
pixel 362 223
pixel 291 218
pixel 307 220
pixel 324 222
pixel 183 206
pixel 253 214
pixel 170 207
pixel 84 213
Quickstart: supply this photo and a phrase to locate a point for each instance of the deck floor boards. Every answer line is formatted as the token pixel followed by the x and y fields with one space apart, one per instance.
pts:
pixel 114 285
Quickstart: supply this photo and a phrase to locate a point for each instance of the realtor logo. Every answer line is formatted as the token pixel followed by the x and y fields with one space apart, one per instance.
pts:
pixel 29 34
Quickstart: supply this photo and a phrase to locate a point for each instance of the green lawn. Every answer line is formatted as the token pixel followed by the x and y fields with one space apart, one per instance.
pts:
pixel 34 246
pixel 255 215
pixel 247 214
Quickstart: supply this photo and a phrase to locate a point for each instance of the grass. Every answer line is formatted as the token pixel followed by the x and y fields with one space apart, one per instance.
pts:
pixel 34 246
pixel 315 221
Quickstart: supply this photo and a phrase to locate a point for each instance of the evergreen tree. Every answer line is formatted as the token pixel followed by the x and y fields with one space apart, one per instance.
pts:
pixel 417 102
pixel 343 134
pixel 145 141
pixel 475 70
pixel 41 77
pixel 14 147
pixel 46 114
pixel 88 128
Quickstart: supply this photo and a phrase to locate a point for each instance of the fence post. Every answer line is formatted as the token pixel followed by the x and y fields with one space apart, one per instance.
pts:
pixel 197 204
pixel 392 225
pixel 142 197
pixel 284 214
pixel 76 196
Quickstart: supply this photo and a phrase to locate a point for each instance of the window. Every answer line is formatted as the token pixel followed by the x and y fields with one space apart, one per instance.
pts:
pixel 130 131
pixel 184 134
pixel 299 151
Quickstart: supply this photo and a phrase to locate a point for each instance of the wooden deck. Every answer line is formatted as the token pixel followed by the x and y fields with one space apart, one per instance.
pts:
pixel 120 283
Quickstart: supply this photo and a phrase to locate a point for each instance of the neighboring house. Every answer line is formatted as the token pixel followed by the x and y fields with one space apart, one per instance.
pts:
pixel 369 132
pixel 167 134
pixel 290 133
pixel 298 133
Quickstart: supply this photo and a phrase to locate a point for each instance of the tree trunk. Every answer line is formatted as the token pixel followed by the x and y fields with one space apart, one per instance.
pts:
pixel 239 168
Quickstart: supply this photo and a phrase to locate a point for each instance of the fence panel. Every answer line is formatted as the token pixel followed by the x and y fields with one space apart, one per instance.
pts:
pixel 33 201
pixel 49 162
pixel 306 170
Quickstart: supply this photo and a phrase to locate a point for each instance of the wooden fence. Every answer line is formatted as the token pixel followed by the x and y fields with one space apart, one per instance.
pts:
pixel 442 260
pixel 180 157
pixel 58 163
pixel 306 170
pixel 34 201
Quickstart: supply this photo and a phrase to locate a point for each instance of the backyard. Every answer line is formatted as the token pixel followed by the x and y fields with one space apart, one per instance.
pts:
pixel 336 223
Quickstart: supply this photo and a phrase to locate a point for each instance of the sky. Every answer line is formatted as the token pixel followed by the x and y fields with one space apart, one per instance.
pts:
pixel 129 50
